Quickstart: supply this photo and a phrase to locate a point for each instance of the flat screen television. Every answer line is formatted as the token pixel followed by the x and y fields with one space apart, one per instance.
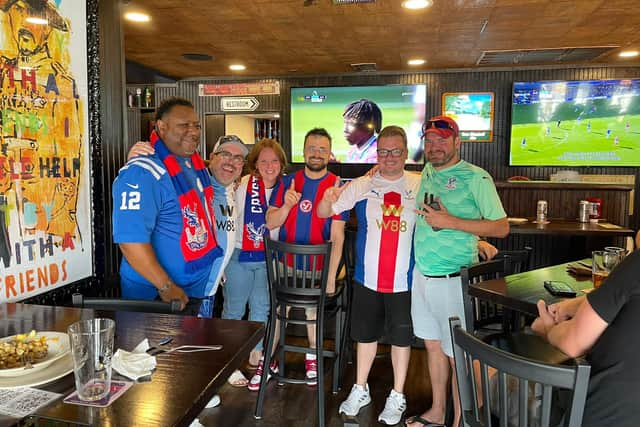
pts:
pixel 473 111
pixel 401 105
pixel 576 123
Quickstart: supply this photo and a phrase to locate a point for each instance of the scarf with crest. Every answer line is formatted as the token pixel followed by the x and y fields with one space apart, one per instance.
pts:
pixel 198 240
pixel 255 226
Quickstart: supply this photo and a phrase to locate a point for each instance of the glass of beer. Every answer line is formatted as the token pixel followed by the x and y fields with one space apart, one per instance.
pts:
pixel 602 263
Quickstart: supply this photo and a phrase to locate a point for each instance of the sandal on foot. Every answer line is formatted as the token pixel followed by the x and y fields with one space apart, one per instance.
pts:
pixel 421 421
pixel 237 379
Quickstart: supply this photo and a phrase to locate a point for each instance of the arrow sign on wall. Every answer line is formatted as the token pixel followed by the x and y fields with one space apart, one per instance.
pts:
pixel 247 103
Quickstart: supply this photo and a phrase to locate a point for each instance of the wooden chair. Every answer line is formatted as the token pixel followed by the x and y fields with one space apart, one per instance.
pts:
pixel 468 349
pixel 121 304
pixel 297 276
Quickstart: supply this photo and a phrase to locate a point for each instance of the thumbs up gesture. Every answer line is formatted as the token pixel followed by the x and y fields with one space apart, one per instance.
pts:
pixel 291 196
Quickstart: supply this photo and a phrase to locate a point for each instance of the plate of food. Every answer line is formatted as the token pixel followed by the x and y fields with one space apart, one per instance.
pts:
pixel 27 353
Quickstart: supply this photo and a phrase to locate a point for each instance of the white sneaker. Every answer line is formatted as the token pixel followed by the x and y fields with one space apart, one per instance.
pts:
pixel 393 409
pixel 358 398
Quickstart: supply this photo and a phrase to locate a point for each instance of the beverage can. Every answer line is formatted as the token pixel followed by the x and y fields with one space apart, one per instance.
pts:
pixel 584 211
pixel 596 207
pixel 541 211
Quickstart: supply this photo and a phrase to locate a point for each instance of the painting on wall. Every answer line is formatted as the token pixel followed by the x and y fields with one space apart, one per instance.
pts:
pixel 46 236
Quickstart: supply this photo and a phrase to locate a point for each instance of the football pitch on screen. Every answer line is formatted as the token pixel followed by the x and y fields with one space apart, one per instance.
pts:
pixel 330 117
pixel 604 141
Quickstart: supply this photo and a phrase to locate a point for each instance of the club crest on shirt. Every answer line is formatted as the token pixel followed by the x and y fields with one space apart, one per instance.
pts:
pixel 451 183
pixel 195 231
pixel 256 235
pixel 306 206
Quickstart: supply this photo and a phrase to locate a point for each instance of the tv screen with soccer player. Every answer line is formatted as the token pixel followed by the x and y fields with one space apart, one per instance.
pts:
pixel 473 111
pixel 576 123
pixel 354 115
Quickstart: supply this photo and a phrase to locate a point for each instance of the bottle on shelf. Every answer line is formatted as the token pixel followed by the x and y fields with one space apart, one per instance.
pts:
pixel 147 97
pixel 130 99
pixel 138 97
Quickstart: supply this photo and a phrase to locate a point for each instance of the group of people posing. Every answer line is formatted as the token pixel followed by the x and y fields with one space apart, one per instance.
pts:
pixel 183 230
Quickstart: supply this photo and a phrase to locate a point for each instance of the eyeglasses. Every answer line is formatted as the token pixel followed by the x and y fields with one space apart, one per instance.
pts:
pixel 227 156
pixel 396 152
pixel 438 124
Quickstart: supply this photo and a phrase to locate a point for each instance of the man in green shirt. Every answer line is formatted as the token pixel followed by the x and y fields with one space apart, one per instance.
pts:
pixel 461 204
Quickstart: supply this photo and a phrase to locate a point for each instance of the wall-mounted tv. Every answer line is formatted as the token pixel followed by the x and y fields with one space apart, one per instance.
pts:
pixel 576 123
pixel 366 109
pixel 473 111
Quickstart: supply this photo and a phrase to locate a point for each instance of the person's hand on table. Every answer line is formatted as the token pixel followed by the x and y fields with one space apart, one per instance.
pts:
pixel 545 320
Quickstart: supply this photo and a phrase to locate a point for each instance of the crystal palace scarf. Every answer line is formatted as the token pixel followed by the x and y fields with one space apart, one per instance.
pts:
pixel 198 240
pixel 255 227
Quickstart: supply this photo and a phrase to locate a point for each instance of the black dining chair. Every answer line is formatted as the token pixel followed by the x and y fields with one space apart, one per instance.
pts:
pixel 348 265
pixel 475 358
pixel 516 261
pixel 121 304
pixel 479 313
pixel 297 276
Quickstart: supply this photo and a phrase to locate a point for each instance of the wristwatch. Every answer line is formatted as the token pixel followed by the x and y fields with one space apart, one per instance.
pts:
pixel 164 288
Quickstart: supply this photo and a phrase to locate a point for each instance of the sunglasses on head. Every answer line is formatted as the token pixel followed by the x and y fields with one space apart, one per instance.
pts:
pixel 438 124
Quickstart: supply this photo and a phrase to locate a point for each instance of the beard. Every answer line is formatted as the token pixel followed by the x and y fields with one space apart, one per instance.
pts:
pixel 446 158
pixel 319 167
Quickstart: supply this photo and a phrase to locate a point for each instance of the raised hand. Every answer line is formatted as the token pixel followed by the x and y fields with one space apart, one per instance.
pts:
pixel 439 218
pixel 291 196
pixel 332 194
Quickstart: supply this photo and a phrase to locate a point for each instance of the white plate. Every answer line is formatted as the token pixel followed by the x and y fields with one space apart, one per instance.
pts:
pixel 58 344
pixel 54 371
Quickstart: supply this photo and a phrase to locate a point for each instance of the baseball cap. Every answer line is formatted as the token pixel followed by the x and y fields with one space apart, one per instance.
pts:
pixel 441 125
pixel 230 139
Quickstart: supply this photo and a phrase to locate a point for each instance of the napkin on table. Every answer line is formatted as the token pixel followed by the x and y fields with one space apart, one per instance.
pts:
pixel 134 364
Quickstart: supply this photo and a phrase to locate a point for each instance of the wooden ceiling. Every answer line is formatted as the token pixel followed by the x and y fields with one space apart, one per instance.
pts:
pixel 284 37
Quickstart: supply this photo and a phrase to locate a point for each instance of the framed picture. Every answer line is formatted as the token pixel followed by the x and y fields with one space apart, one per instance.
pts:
pixel 46 238
pixel 473 111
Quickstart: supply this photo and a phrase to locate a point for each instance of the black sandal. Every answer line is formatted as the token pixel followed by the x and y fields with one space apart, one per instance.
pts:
pixel 422 421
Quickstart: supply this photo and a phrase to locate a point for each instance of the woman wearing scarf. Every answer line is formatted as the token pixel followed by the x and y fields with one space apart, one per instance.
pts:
pixel 247 271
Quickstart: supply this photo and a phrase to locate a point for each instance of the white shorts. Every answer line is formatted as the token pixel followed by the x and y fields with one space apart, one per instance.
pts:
pixel 433 301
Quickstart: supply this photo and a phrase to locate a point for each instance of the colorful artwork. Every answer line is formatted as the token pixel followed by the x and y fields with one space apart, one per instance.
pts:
pixel 45 193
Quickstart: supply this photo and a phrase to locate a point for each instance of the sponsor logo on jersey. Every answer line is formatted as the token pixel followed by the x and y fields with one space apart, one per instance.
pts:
pixel 306 206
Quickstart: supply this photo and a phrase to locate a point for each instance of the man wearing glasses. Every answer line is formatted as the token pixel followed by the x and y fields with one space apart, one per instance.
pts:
pixel 293 209
pixel 457 202
pixel 384 204
pixel 168 211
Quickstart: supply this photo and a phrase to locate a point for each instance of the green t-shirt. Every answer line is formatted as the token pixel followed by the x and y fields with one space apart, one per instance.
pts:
pixel 466 191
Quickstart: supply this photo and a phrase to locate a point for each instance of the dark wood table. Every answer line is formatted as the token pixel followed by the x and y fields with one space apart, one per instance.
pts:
pixel 521 292
pixel 571 228
pixel 182 383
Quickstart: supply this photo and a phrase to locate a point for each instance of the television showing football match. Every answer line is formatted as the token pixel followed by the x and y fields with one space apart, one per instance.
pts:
pixel 354 115
pixel 473 111
pixel 576 123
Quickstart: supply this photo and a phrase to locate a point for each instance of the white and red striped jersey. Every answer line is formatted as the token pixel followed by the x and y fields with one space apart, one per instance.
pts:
pixel 386 219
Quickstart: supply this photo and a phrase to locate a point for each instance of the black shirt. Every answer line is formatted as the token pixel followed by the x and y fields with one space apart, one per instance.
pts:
pixel 613 398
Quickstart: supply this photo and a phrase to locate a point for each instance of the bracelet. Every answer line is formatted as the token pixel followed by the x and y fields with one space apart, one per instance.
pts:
pixel 165 287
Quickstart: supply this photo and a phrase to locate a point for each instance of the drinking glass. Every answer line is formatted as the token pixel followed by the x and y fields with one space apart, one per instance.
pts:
pixel 620 251
pixel 602 263
pixel 91 350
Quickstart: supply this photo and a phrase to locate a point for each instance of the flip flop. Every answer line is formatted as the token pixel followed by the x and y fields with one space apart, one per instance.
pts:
pixel 237 379
pixel 422 421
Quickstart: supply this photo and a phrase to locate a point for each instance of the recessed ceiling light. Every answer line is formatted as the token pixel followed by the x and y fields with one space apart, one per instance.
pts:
pixel 416 4
pixel 416 61
pixel 137 17
pixel 37 21
pixel 237 67
pixel 629 53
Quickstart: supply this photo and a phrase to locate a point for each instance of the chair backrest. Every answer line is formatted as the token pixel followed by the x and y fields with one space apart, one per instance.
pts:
pixel 470 353
pixel 486 270
pixel 348 260
pixel 516 261
pixel 120 304
pixel 294 269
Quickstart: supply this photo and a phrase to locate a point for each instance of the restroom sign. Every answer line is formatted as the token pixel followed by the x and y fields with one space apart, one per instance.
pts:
pixel 239 104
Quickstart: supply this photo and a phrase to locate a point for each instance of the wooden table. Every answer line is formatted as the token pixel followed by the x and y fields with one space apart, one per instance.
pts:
pixel 182 384
pixel 571 228
pixel 521 292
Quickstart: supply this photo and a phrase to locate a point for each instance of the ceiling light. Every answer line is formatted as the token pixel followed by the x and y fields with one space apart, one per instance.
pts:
pixel 137 17
pixel 37 21
pixel 629 53
pixel 416 4
pixel 276 116
pixel 416 61
pixel 237 67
